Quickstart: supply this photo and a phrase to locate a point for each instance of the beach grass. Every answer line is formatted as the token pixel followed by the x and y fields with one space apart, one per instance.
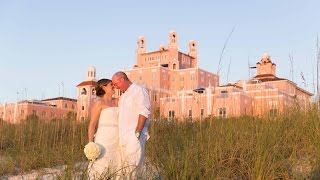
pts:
pixel 285 147
pixel 35 144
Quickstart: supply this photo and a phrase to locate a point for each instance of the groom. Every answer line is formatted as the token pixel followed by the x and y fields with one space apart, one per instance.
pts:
pixel 134 111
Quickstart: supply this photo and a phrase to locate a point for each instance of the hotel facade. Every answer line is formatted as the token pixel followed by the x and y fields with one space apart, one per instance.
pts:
pixel 47 109
pixel 178 89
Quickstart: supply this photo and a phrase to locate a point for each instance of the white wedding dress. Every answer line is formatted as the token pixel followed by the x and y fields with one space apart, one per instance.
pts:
pixel 107 137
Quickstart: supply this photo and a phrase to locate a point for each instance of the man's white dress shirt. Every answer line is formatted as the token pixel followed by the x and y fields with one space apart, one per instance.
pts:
pixel 133 102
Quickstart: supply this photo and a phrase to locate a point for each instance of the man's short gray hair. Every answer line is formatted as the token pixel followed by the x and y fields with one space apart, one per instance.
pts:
pixel 121 74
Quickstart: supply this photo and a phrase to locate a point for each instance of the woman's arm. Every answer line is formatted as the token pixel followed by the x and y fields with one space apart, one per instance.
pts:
pixel 95 114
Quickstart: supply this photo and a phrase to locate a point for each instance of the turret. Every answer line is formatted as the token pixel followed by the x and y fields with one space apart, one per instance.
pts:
pixel 86 94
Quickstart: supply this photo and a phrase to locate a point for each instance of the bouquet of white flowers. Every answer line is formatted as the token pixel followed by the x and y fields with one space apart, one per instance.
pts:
pixel 92 151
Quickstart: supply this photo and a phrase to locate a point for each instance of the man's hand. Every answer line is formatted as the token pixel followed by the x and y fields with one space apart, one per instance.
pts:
pixel 141 122
pixel 137 134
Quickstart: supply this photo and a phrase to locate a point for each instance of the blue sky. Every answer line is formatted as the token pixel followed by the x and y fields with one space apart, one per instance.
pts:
pixel 47 46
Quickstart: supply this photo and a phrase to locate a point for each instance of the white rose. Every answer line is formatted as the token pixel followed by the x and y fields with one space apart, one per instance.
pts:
pixel 92 151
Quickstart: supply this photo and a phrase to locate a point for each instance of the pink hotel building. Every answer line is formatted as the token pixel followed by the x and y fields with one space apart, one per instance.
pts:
pixel 179 89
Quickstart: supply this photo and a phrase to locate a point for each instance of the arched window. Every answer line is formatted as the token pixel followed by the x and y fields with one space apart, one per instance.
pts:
pixel 84 91
pixel 174 66
pixel 93 91
pixel 174 38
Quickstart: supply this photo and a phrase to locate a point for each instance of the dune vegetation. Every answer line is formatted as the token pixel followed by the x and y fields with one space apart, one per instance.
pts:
pixel 284 147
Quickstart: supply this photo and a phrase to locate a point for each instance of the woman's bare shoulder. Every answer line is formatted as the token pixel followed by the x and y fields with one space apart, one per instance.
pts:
pixel 98 103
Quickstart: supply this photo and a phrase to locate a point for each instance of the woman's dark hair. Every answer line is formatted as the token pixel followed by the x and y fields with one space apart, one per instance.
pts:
pixel 102 82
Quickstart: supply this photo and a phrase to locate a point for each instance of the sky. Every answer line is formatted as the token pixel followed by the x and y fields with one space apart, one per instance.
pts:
pixel 46 47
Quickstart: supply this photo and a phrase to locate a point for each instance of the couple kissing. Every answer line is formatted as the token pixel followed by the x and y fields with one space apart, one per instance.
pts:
pixel 122 127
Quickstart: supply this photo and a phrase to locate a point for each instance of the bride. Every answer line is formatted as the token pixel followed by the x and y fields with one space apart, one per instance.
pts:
pixel 104 112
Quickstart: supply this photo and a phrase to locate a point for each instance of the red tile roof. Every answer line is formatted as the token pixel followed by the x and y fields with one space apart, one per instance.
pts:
pixel 59 98
pixel 271 77
pixel 267 77
pixel 87 83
